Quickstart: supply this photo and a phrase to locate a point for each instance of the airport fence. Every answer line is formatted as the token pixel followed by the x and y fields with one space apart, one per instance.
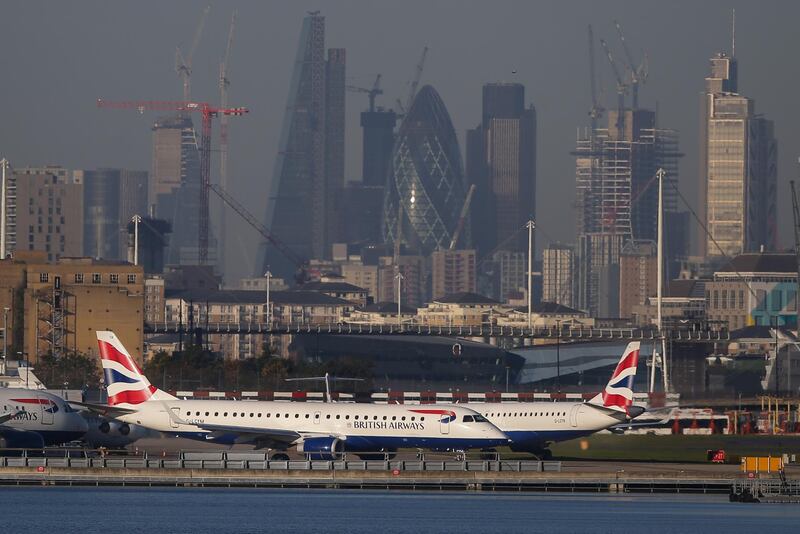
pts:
pixel 261 461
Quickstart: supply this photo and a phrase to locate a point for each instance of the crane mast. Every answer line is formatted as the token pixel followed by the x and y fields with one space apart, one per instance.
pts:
pixel 183 65
pixel 224 83
pixel 621 85
pixel 638 74
pixel 597 110
pixel 417 77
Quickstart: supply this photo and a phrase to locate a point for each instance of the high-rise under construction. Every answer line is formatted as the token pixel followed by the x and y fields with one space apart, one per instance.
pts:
pixel 308 178
pixel 617 199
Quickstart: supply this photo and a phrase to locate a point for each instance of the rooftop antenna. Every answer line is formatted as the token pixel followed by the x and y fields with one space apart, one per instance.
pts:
pixel 733 34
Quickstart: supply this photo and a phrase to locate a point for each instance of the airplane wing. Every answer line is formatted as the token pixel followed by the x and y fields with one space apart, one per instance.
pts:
pixel 253 433
pixel 7 416
pixel 102 409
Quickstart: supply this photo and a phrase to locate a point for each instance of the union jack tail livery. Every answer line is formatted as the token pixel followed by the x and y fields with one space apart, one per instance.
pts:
pixel 125 382
pixel 618 394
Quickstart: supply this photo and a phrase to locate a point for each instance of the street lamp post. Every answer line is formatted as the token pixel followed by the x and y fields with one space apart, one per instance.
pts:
pixel 136 219
pixel 530 226
pixel 268 276
pixel 5 339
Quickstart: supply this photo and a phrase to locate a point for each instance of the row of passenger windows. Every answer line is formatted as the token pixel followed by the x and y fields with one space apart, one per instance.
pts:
pixel 306 416
pixel 527 414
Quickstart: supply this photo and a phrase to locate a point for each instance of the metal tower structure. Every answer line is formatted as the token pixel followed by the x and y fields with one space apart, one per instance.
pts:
pixel 208 113
pixel 224 83
pixel 54 311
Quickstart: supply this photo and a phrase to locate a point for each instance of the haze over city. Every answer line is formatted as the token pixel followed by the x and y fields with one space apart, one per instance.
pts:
pixel 59 58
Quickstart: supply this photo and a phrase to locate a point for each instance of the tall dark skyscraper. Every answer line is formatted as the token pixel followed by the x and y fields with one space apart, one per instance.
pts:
pixel 307 183
pixel 501 163
pixel 378 131
pixel 426 180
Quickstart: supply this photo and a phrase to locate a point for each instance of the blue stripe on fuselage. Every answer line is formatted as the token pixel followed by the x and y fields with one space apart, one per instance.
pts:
pixel 522 439
pixel 374 443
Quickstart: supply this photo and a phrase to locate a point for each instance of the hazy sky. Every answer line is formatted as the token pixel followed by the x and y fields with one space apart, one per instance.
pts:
pixel 59 57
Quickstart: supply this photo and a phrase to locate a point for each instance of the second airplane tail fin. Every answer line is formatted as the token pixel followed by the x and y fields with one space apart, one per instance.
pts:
pixel 618 393
pixel 125 382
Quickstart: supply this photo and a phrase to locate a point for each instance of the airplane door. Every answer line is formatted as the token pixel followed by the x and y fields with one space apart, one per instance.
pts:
pixel 444 424
pixel 47 409
pixel 316 418
pixel 574 413
pixel 174 416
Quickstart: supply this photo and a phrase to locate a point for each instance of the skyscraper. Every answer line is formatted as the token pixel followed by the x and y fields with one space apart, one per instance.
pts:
pixel 378 140
pixel 738 167
pixel 501 163
pixel 617 198
pixel 175 188
pixel 425 190
pixel 307 183
pixel 101 195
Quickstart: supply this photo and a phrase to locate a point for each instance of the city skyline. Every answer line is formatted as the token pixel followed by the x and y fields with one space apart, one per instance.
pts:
pixel 556 82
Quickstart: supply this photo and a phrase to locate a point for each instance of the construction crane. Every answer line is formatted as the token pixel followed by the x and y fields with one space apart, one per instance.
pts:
pixel 597 110
pixel 248 217
pixel 371 93
pixel 183 65
pixel 462 218
pixel 622 87
pixel 412 91
pixel 638 73
pixel 796 219
pixel 224 83
pixel 208 112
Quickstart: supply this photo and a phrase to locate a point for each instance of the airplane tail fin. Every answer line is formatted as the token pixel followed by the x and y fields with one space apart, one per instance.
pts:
pixel 618 393
pixel 125 382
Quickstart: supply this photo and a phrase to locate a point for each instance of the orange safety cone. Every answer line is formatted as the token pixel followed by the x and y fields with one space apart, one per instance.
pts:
pixel 676 426
pixel 694 423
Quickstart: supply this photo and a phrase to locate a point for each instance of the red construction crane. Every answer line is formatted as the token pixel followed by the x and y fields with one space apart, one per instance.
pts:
pixel 208 112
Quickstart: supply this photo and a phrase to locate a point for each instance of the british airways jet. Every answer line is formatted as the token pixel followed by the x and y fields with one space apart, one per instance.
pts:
pixel 322 431
pixel 533 426
pixel 35 418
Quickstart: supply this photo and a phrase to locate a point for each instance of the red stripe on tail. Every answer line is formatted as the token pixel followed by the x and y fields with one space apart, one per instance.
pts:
pixel 108 352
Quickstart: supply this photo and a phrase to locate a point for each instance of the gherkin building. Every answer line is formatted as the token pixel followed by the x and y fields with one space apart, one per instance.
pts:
pixel 425 186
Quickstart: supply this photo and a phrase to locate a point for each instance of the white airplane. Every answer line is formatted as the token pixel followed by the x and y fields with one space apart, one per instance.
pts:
pixel 321 430
pixel 35 418
pixel 533 426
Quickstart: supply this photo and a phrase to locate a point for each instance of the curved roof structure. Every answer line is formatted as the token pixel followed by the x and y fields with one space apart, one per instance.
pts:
pixel 426 178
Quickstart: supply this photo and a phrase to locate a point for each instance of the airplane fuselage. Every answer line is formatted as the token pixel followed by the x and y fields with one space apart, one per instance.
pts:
pixel 533 425
pixel 41 413
pixel 361 427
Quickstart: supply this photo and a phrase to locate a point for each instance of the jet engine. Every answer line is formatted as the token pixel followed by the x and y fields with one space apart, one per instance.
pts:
pixel 322 448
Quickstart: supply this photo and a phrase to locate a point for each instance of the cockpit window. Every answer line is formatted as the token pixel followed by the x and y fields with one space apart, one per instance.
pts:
pixel 468 419
pixel 480 419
